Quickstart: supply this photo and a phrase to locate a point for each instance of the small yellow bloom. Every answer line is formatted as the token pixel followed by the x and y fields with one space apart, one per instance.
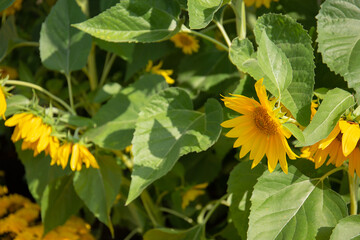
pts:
pixel 191 194
pixel 16 6
pixel 342 144
pixel 163 72
pixel 6 71
pixel 259 3
pixel 3 191
pixel 187 43
pixel 3 104
pixel 79 155
pixel 259 129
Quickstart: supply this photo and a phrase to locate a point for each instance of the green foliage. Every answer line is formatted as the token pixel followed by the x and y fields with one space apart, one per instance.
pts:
pixel 194 233
pixel 292 206
pixel 202 12
pixel 62 47
pixel 133 21
pixel 347 228
pixel 338 38
pixel 162 136
pixel 5 4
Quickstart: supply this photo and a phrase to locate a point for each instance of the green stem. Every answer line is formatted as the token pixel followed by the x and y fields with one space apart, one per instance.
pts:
pixel 238 7
pixel 27 44
pixel 214 26
pixel 331 172
pixel 223 32
pixel 108 64
pixel 68 79
pixel 153 212
pixel 93 79
pixel 211 207
pixel 40 89
pixel 210 39
pixel 353 187
pixel 185 218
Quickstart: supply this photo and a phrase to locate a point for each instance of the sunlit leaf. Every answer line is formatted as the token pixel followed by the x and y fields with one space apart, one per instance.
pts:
pixel 62 47
pixel 201 12
pixel 347 229
pixel 166 129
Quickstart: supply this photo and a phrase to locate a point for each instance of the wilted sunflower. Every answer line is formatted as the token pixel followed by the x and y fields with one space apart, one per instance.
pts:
pixel 187 43
pixel 163 72
pixel 259 3
pixel 79 155
pixel 259 130
pixel 36 135
pixel 341 144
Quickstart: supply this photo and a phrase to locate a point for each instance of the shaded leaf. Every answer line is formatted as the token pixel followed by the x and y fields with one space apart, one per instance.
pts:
pixel 123 50
pixel 5 4
pixel 166 129
pixel 348 228
pixel 194 233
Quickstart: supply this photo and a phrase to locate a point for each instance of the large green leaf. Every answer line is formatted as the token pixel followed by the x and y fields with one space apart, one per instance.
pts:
pixel 335 103
pixel 166 129
pixel 339 39
pixel 274 64
pixel 116 119
pixel 241 185
pixel 347 229
pixel 38 171
pixel 59 201
pixel 7 35
pixel 195 233
pixel 98 188
pixel 5 4
pixel 134 21
pixel 205 70
pixel 294 41
pixel 292 206
pixel 201 12
pixel 123 50
pixel 62 47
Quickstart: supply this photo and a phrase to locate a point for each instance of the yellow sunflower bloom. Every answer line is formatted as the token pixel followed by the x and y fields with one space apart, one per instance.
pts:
pixel 342 144
pixel 16 6
pixel 6 71
pixel 259 3
pixel 191 194
pixel 3 104
pixel 187 43
pixel 79 155
pixel 163 72
pixel 259 129
pixel 36 135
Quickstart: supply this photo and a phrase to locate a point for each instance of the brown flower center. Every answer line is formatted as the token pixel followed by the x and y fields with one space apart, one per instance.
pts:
pixel 185 40
pixel 264 122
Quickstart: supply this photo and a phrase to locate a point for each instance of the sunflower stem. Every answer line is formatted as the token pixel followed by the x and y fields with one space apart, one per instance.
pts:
pixel 108 64
pixel 353 187
pixel 238 7
pixel 331 172
pixel 68 79
pixel 223 32
pixel 93 79
pixel 204 36
pixel 212 206
pixel 43 90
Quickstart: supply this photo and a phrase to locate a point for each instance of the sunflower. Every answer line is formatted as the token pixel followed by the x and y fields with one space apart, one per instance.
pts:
pixel 192 193
pixel 259 129
pixel 342 144
pixel 36 135
pixel 79 155
pixel 259 3
pixel 163 72
pixel 16 6
pixel 187 43
pixel 3 104
pixel 6 71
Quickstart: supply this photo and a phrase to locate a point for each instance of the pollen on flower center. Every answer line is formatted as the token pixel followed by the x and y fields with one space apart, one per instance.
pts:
pixel 185 40
pixel 264 122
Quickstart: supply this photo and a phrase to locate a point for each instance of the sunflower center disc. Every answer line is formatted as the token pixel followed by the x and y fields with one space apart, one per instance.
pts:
pixel 185 40
pixel 264 122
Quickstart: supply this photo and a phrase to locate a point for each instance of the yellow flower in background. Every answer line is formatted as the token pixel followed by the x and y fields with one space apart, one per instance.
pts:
pixel 3 104
pixel 157 70
pixel 36 135
pixel 187 43
pixel 6 71
pixel 16 6
pixel 79 155
pixel 259 130
pixel 3 191
pixel 259 3
pixel 342 144
pixel 191 194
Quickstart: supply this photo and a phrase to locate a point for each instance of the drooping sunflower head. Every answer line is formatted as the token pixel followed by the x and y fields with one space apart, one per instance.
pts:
pixel 186 42
pixel 259 3
pixel 259 129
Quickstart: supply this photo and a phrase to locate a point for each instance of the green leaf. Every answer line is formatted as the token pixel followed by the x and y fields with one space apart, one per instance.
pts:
pixel 123 50
pixel 62 47
pixel 205 70
pixel 38 171
pixel 7 35
pixel 201 12
pixel 295 42
pixel 106 92
pixel 77 121
pixel 15 103
pixel 274 64
pixel 338 37
pixel 166 129
pixel 105 182
pixel 335 103
pixel 195 233
pixel 347 229
pixel 296 132
pixel 5 4
pixel 241 185
pixel 133 21
pixel 117 118
pixel 291 206
pixel 59 202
